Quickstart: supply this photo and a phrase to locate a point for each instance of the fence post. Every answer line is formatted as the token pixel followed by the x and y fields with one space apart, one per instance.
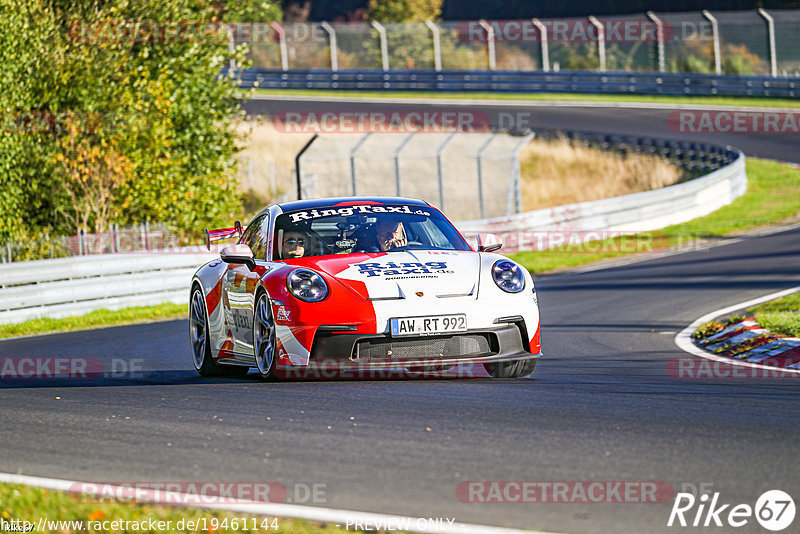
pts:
pixel 659 40
pixel 397 161
pixel 489 44
pixel 773 60
pixel 715 35
pixel 439 174
pixel 545 46
pixel 297 166
pixel 8 250
pixel 601 41
pixel 479 160
pixel 516 172
pixel 437 45
pixel 334 51
pixel 282 44
pixel 81 241
pixel 231 50
pixel 146 230
pixel 384 46
pixel 353 175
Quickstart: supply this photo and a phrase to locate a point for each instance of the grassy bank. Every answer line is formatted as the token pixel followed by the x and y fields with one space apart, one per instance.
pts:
pixel 95 319
pixel 788 103
pixel 772 198
pixel 781 316
pixel 31 504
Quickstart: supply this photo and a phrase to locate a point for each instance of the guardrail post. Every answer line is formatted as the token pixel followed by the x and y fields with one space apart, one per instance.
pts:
pixel 544 44
pixel 146 234
pixel 8 250
pixel 334 50
pixel 773 60
pixel 437 45
pixel 115 237
pixel 659 40
pixel 353 176
pixel 479 160
pixel 489 44
pixel 715 35
pixel 81 241
pixel 298 178
pixel 384 46
pixel 601 41
pixel 282 44
pixel 439 174
pixel 397 161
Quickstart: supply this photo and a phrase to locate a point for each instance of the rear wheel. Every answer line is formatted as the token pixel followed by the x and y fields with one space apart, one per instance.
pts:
pixel 198 329
pixel 264 340
pixel 512 369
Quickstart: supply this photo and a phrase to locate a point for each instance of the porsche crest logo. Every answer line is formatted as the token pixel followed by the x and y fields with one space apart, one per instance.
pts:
pixel 419 293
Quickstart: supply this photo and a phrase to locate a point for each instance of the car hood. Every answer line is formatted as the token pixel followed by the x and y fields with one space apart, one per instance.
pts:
pixel 398 275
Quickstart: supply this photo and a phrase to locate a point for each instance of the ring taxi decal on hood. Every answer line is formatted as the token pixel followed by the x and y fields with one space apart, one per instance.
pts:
pixel 391 268
pixel 360 209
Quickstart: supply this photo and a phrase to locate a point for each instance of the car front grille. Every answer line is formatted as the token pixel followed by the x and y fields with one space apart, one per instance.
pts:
pixel 426 348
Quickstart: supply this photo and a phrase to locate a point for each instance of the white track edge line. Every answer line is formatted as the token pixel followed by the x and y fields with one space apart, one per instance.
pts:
pixel 684 337
pixel 312 513
pixel 517 103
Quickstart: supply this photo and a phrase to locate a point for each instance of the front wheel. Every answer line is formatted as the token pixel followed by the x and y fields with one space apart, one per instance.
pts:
pixel 264 339
pixel 512 369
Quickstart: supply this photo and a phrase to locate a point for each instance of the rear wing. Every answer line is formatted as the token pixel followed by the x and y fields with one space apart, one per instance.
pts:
pixel 223 233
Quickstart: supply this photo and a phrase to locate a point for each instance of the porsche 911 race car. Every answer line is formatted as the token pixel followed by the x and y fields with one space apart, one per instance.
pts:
pixel 373 283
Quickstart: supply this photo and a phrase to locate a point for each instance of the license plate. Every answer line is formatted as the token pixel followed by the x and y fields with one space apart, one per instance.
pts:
pixel 423 326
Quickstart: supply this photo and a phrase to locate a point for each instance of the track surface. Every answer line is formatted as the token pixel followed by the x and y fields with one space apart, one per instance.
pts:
pixel 601 406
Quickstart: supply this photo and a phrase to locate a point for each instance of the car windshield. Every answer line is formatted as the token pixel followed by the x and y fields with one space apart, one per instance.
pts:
pixel 363 228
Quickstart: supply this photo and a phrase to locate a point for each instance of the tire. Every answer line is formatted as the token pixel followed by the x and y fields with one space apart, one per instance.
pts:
pixel 264 340
pixel 512 369
pixel 199 337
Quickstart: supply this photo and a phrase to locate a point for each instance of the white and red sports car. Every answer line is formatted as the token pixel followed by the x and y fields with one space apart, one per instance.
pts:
pixel 363 283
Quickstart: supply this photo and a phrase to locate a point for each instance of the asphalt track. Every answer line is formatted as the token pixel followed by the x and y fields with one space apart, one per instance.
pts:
pixel 602 405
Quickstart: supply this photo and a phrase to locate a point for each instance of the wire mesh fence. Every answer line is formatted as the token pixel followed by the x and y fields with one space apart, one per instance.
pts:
pixel 731 42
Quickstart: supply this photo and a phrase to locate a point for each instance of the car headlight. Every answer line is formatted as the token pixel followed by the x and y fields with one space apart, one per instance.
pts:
pixel 508 276
pixel 307 285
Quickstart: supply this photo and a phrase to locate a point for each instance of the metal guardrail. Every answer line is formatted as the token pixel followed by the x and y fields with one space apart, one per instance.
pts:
pixel 723 179
pixel 648 83
pixel 69 286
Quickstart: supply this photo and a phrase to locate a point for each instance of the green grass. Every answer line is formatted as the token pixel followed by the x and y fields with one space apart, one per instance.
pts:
pixel 548 97
pixel 28 503
pixel 781 316
pixel 95 319
pixel 772 198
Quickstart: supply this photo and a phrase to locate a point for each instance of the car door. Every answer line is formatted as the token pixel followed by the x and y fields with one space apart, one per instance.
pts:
pixel 239 291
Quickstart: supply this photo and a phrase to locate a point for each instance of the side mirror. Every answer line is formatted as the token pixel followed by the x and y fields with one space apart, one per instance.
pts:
pixel 238 254
pixel 490 248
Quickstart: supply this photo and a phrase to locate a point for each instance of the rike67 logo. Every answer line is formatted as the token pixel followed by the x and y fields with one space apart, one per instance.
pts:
pixel 774 510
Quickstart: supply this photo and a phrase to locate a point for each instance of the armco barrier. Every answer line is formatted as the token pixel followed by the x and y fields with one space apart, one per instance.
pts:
pixel 648 83
pixel 73 286
pixel 638 212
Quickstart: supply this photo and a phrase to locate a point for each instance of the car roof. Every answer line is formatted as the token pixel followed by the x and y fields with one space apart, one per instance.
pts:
pixel 295 205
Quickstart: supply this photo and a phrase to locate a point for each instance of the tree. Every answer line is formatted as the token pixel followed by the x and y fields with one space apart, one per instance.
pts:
pixel 404 10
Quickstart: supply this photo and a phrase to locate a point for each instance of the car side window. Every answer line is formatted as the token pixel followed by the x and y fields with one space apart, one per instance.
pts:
pixel 255 237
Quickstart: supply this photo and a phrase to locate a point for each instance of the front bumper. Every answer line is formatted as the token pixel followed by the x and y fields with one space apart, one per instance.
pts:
pixel 381 351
